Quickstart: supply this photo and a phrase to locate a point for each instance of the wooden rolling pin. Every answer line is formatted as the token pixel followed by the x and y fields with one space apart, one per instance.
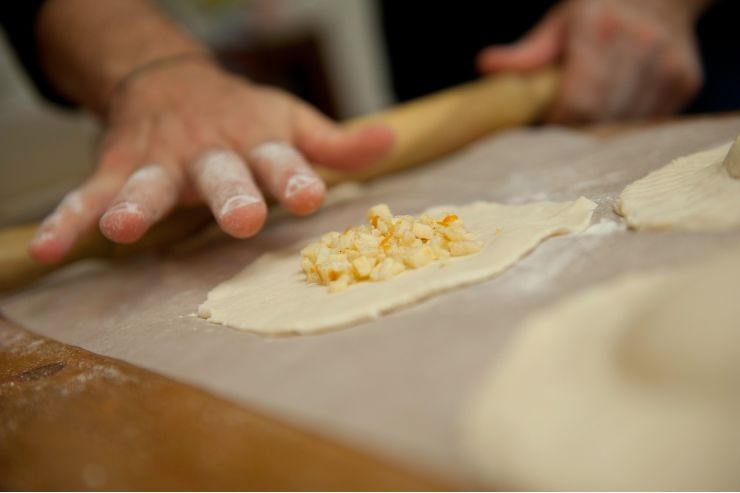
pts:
pixel 425 128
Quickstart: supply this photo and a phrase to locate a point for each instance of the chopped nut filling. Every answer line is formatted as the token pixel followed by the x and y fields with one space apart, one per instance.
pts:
pixel 385 247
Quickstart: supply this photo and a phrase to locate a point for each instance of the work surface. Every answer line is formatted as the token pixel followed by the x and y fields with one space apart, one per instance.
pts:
pixel 394 386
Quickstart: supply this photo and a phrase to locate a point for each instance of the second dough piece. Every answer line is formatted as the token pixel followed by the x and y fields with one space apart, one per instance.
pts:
pixel 692 193
pixel 629 385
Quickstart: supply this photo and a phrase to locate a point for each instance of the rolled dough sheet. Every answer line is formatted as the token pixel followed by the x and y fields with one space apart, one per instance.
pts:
pixel 691 193
pixel 272 297
pixel 631 385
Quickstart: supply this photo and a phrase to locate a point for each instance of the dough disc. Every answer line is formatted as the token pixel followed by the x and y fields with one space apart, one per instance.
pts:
pixel 628 385
pixel 271 296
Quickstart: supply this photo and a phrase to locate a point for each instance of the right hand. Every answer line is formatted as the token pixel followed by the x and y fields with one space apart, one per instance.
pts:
pixel 620 58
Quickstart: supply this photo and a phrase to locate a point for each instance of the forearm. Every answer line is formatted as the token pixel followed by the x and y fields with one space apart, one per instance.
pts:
pixel 88 46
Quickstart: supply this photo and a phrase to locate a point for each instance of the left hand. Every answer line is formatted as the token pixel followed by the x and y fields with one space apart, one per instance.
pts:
pixel 620 58
pixel 193 132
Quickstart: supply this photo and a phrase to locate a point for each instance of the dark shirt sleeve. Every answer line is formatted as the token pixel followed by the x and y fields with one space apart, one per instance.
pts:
pixel 18 19
pixel 719 44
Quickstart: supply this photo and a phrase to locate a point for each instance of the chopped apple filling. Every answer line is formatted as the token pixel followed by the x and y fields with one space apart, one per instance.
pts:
pixel 385 247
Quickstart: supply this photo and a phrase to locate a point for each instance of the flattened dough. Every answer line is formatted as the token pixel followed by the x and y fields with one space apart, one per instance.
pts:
pixel 631 385
pixel 692 193
pixel 271 296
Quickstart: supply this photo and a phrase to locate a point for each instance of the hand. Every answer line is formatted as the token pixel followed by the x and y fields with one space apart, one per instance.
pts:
pixel 620 58
pixel 192 132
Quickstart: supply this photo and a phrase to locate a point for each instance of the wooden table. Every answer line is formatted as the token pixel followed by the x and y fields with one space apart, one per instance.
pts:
pixel 73 420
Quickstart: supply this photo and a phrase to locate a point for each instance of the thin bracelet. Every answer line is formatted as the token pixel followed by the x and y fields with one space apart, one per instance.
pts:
pixel 156 64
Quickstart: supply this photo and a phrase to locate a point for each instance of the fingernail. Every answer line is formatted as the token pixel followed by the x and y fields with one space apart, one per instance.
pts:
pixel 127 207
pixel 114 219
pixel 237 201
pixel 41 237
pixel 297 183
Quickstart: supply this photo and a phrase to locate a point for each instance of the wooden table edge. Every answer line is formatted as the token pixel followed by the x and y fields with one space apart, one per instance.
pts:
pixel 74 420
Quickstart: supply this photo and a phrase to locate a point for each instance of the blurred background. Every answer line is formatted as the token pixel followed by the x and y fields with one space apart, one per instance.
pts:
pixel 347 57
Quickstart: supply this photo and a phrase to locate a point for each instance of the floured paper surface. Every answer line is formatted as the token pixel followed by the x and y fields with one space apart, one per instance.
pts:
pixel 394 385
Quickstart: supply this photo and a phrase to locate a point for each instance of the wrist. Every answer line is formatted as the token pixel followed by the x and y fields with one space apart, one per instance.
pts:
pixel 151 68
pixel 166 85
pixel 88 46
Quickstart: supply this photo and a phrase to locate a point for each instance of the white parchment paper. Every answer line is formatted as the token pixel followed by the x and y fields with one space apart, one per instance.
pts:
pixel 396 385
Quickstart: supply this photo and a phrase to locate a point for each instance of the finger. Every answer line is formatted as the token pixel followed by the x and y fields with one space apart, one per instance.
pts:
pixel 637 68
pixel 674 83
pixel 148 194
pixel 585 83
pixel 631 78
pixel 580 97
pixel 82 208
pixel 676 95
pixel 541 46
pixel 650 91
pixel 76 214
pixel 286 176
pixel 323 142
pixel 224 182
